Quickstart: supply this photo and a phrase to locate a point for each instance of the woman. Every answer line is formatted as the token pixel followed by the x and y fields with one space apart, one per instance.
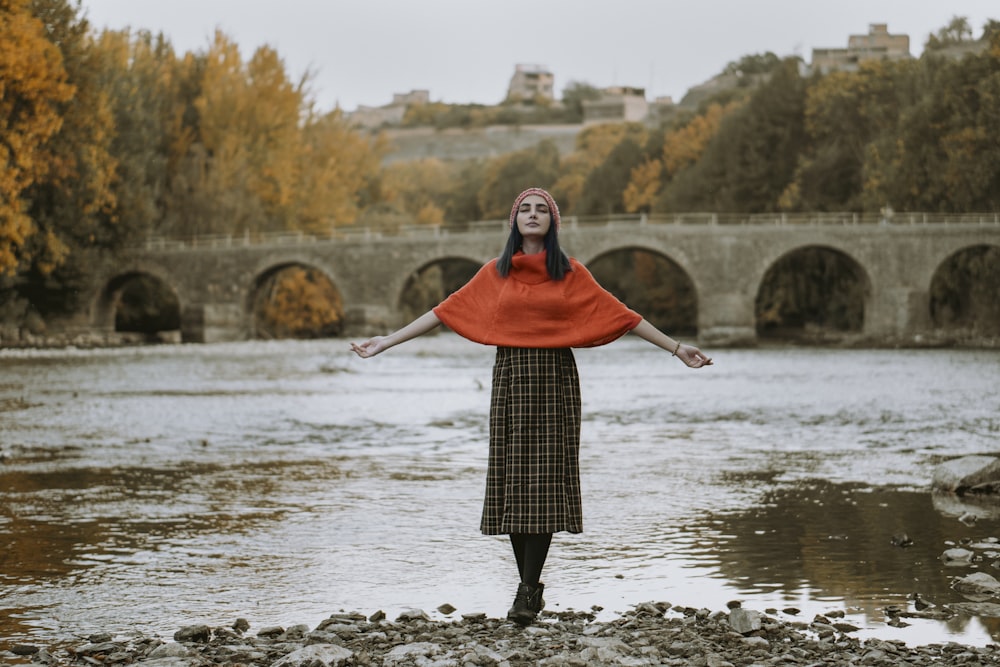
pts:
pixel 534 303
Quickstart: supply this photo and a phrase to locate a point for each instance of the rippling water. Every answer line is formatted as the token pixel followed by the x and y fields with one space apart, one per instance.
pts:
pixel 156 487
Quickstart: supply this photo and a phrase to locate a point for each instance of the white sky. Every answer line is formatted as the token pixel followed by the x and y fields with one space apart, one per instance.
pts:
pixel 464 51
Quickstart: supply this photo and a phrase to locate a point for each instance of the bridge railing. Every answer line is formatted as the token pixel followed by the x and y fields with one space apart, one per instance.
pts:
pixel 351 233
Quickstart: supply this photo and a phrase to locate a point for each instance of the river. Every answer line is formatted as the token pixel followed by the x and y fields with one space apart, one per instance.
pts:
pixel 143 489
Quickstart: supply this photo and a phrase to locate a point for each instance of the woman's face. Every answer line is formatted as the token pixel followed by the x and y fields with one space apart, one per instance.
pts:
pixel 533 216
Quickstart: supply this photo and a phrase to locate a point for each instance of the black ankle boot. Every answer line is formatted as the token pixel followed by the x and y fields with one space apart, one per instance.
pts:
pixel 537 601
pixel 527 603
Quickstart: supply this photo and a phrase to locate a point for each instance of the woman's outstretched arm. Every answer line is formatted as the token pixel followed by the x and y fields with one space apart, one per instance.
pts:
pixel 689 354
pixel 417 327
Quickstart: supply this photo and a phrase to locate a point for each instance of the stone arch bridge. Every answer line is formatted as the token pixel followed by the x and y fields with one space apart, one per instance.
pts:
pixel 725 259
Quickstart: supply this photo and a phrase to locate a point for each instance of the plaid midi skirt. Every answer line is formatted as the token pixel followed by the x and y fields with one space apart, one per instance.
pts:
pixel 533 473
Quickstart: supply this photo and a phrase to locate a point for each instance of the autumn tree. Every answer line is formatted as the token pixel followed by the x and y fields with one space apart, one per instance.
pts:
pixel 593 146
pixel 851 121
pixel 751 160
pixel 74 206
pixel 418 189
pixel 33 88
pixel 680 148
pixel 335 163
pixel 947 156
pixel 605 185
pixel 298 302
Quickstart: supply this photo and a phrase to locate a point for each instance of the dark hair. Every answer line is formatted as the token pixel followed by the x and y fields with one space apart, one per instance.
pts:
pixel 556 260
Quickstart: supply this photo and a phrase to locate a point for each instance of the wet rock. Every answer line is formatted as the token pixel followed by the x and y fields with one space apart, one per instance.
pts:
pixel 169 651
pixel 24 649
pixel 411 653
pixel 901 540
pixel 193 633
pixel 97 649
pixel 638 638
pixel 271 631
pixel 966 474
pixel 317 655
pixel 446 609
pixel 412 615
pixel 744 621
pixel 977 583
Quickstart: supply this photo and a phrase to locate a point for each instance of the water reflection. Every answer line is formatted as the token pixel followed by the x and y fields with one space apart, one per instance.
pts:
pixel 838 541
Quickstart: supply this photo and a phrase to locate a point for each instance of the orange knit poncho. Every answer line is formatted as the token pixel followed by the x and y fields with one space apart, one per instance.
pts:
pixel 529 309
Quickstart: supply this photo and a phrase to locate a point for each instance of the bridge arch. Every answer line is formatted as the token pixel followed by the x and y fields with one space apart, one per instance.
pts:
pixel 294 298
pixel 964 291
pixel 812 293
pixel 431 283
pixel 652 283
pixel 141 299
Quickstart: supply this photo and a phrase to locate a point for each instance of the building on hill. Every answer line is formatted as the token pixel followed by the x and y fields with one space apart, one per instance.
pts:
pixel 617 104
pixel 531 81
pixel 390 114
pixel 878 44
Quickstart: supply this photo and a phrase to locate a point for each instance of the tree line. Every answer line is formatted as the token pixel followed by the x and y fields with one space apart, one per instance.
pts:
pixel 109 137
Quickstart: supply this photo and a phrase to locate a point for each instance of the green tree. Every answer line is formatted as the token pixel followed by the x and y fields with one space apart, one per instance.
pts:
pixel 509 174
pixel 751 160
pixel 944 155
pixel 604 189
pixel 142 76
pixel 956 32
pixel 851 121
pixel 574 95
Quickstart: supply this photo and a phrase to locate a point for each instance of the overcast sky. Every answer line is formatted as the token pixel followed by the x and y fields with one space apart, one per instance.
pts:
pixel 363 51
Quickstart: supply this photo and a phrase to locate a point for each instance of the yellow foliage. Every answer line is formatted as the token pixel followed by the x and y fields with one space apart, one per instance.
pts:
pixel 683 147
pixel 417 188
pixel 301 303
pixel 335 163
pixel 32 85
pixel 265 160
pixel 644 186
pixel 430 214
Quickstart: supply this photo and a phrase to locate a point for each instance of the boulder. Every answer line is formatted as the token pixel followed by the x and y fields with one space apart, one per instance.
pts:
pixel 744 621
pixel 968 473
pixel 193 634
pixel 317 655
pixel 977 584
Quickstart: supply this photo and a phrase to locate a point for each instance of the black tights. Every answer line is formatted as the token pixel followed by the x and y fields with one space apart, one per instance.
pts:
pixel 530 550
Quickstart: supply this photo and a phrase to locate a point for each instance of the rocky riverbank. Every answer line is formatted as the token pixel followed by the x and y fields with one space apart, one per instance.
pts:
pixel 650 634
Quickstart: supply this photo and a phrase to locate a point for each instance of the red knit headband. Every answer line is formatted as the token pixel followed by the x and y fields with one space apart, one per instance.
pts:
pixel 553 209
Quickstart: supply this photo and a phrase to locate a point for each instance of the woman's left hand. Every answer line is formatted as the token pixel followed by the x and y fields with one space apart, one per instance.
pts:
pixel 370 347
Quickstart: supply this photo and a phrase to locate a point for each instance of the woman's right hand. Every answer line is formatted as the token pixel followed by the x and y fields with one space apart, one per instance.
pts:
pixel 370 347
